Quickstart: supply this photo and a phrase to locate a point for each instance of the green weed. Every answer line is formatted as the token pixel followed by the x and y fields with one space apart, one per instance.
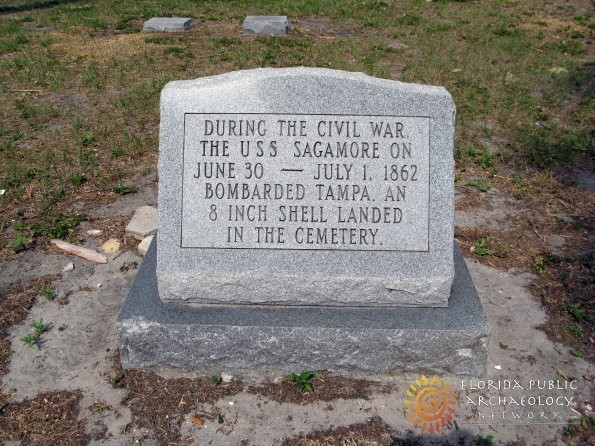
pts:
pixel 122 189
pixel 520 187
pixel 14 175
pixel 127 266
pixel 49 293
pixel 117 151
pixel 571 47
pixel 550 146
pixel 580 313
pixel 576 331
pixel 87 139
pixel 77 179
pixel 40 326
pixel 57 226
pixel 540 265
pixel 216 379
pixel 173 50
pixel 585 20
pixel 302 380
pixel 482 185
pixel 30 340
pixel 117 380
pixel 575 353
pixel 483 157
pixel 487 440
pixel 481 249
pixel 20 243
pixel 86 157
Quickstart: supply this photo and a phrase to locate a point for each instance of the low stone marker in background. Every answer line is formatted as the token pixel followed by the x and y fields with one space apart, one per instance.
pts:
pixel 265 25
pixel 168 24
pixel 305 222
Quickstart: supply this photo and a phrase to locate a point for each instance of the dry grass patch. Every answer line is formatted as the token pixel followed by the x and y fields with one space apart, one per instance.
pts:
pixel 14 308
pixel 326 387
pixel 103 49
pixel 374 432
pixel 161 404
pixel 49 419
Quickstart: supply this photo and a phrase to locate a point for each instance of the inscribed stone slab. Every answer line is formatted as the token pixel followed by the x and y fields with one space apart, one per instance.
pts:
pixel 265 25
pixel 168 24
pixel 305 186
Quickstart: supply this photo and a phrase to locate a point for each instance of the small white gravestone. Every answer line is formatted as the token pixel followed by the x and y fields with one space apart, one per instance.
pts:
pixel 265 25
pixel 168 24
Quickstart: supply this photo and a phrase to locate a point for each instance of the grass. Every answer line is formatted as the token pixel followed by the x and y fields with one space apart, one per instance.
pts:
pixel 482 185
pixel 80 86
pixel 19 243
pixel 30 339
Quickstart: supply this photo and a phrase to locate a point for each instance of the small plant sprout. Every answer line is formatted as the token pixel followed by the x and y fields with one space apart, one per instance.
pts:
pixel 49 293
pixel 20 243
pixel 487 440
pixel 40 326
pixel 540 265
pixel 302 380
pixel 126 266
pixel 117 380
pixel 122 189
pixel 216 379
pixel 580 313
pixel 30 339
pixel 482 185
pixel 576 331
pixel 481 249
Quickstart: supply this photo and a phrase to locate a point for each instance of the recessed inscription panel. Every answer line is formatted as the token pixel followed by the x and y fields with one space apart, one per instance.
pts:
pixel 333 182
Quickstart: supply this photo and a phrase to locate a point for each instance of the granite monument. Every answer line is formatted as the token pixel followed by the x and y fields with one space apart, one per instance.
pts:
pixel 305 221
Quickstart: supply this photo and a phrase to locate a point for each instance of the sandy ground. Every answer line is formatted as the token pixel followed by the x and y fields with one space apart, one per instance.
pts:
pixel 78 353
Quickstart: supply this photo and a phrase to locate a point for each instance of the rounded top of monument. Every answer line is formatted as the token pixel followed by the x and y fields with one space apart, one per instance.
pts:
pixel 257 75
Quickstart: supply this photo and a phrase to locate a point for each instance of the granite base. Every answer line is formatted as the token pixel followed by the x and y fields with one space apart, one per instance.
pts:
pixel 436 340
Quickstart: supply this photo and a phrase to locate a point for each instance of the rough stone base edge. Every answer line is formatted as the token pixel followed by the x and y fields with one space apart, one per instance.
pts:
pixel 436 340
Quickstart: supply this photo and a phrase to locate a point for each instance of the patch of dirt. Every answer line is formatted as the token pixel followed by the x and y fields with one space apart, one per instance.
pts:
pixel 49 419
pixel 14 308
pixel 375 432
pixel 471 200
pixel 216 28
pixel 72 101
pixel 567 291
pixel 326 388
pixel 552 238
pixel 321 27
pixel 161 404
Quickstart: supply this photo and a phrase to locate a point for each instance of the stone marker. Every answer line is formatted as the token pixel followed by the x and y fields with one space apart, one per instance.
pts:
pixel 305 187
pixel 308 208
pixel 168 24
pixel 264 25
